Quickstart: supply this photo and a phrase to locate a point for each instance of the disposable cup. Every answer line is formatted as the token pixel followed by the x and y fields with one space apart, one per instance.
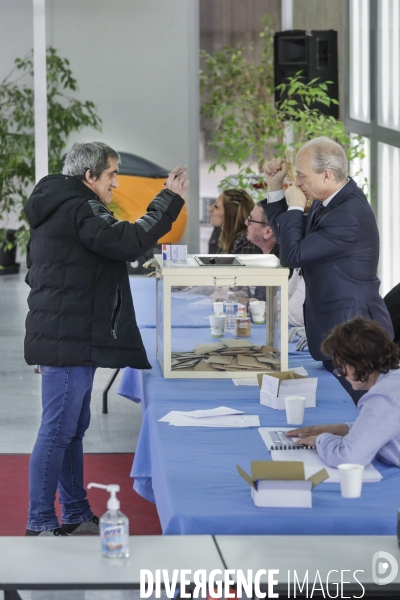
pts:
pixel 351 478
pixel 295 406
pixel 258 311
pixel 218 308
pixel 217 323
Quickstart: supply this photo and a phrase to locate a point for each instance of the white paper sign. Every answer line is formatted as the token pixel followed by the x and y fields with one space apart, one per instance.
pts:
pixel 270 385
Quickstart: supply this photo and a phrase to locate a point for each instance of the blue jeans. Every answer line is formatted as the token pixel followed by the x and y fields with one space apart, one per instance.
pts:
pixel 57 457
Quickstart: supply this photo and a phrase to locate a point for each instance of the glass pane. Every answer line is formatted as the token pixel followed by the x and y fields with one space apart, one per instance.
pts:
pixel 360 168
pixel 389 215
pixel 389 64
pixel 160 320
pixel 225 329
pixel 359 61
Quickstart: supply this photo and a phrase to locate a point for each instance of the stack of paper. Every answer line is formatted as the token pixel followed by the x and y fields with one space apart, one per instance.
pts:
pixel 213 417
pixel 227 355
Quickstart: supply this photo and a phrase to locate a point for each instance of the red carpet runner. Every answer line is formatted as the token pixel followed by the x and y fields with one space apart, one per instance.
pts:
pixel 100 468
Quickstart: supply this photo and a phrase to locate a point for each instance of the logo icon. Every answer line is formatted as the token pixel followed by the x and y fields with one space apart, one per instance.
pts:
pixel 381 574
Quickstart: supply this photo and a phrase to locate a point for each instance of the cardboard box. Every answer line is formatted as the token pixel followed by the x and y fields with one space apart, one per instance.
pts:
pixel 281 484
pixel 275 386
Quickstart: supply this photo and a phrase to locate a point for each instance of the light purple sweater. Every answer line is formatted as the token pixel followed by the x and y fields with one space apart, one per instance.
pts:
pixel 375 432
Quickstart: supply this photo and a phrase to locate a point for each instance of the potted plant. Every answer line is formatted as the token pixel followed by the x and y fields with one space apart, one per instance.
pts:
pixel 17 148
pixel 238 95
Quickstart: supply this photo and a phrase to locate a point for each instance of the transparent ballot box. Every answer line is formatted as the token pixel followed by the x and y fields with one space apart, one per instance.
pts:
pixel 222 316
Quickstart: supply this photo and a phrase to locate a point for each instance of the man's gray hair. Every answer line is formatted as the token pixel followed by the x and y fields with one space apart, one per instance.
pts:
pixel 327 154
pixel 94 156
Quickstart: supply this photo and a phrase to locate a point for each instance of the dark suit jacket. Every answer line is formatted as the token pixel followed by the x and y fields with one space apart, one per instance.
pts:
pixel 338 255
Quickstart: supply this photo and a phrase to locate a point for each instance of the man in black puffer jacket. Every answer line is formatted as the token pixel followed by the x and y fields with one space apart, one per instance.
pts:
pixel 81 315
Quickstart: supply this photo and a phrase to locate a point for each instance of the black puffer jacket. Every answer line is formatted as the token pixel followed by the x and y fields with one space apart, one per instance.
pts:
pixel 80 305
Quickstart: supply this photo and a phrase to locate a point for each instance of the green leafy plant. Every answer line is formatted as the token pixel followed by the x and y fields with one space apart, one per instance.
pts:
pixel 238 95
pixel 65 113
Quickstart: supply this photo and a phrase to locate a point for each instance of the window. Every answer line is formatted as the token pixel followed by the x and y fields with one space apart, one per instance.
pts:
pixel 359 61
pixel 360 169
pixel 389 64
pixel 389 215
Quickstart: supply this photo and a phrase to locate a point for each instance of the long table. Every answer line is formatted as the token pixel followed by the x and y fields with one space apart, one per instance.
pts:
pixel 44 563
pixel 191 472
pixel 76 563
pixel 340 563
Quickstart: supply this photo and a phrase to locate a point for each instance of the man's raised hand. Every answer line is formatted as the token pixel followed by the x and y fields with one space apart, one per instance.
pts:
pixel 275 172
pixel 177 181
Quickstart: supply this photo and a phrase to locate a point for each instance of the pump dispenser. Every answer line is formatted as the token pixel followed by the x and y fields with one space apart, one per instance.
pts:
pixel 114 526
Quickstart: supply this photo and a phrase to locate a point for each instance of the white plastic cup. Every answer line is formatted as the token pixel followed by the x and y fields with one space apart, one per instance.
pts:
pixel 217 324
pixel 218 308
pixel 258 311
pixel 295 406
pixel 351 478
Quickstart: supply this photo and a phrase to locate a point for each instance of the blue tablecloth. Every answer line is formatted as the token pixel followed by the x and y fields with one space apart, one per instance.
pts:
pixel 191 474
pixel 143 291
pixel 189 307
pixel 148 386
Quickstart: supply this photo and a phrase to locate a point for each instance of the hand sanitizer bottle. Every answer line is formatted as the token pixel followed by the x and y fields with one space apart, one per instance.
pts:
pixel 230 308
pixel 114 526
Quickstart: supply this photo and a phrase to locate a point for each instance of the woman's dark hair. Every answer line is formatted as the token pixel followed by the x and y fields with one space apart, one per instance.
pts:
pixel 237 207
pixel 363 345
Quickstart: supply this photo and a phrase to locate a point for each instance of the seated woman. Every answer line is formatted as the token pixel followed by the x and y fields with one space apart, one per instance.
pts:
pixel 230 211
pixel 365 355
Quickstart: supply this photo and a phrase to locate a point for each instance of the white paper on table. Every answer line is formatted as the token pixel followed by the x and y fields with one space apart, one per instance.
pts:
pixel 245 381
pixel 312 461
pixel 225 421
pixel 299 371
pixel 169 416
pixel 212 412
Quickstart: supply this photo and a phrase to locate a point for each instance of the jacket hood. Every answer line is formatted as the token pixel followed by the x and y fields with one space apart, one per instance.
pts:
pixel 50 193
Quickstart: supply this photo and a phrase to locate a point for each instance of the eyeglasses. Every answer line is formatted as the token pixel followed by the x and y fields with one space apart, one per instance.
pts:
pixel 339 372
pixel 250 220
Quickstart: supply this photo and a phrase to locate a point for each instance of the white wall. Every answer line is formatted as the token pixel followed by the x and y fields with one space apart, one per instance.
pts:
pixel 138 61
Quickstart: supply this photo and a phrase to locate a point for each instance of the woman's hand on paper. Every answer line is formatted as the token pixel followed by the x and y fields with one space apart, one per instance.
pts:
pixel 308 435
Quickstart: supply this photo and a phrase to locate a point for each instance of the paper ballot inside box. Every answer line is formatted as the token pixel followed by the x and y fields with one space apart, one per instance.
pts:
pixel 275 386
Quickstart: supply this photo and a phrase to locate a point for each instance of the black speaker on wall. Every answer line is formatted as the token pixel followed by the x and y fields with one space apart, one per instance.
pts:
pixel 312 52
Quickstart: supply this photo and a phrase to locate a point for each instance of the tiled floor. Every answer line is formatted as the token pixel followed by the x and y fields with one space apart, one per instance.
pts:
pixel 20 388
pixel 20 411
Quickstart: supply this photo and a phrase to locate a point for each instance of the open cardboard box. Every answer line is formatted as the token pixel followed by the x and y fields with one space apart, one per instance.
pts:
pixel 274 386
pixel 281 484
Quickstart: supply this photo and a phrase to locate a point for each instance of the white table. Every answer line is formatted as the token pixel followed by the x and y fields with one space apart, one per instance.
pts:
pixel 313 553
pixel 39 563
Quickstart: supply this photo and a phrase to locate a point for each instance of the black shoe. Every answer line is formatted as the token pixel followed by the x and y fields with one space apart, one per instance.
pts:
pixel 46 533
pixel 90 527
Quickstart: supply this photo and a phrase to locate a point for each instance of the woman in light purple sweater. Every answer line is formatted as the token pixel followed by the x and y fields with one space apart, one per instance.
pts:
pixel 363 353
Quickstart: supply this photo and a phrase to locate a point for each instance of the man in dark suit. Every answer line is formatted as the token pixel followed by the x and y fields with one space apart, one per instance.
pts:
pixel 336 246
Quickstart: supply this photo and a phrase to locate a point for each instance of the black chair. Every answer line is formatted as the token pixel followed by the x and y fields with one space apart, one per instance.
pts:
pixel 392 301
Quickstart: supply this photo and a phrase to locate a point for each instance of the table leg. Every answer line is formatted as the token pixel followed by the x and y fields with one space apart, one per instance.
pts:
pixel 11 595
pixel 107 389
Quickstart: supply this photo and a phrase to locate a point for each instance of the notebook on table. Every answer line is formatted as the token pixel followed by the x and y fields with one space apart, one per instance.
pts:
pixel 285 451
